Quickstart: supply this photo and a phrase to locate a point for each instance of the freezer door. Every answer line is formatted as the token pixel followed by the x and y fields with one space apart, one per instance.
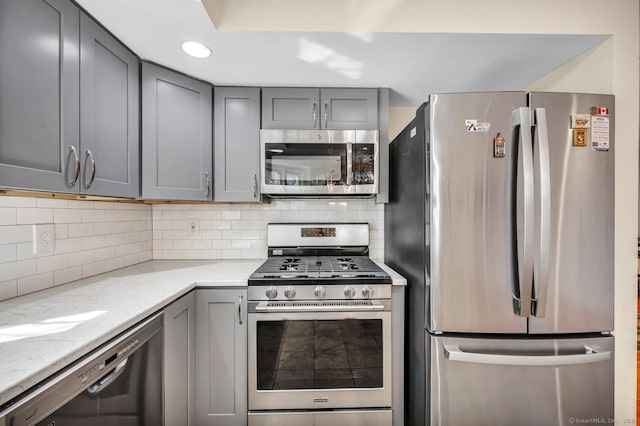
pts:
pixel 480 382
pixel 575 294
pixel 473 166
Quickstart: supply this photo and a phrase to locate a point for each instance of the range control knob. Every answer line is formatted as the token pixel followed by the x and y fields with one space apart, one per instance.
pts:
pixel 272 292
pixel 367 292
pixel 289 292
pixel 349 292
pixel 320 292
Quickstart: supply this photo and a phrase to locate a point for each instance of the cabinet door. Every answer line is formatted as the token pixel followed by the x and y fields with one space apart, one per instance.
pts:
pixel 236 143
pixel 179 361
pixel 290 108
pixel 344 109
pixel 109 117
pixel 39 92
pixel 221 357
pixel 176 136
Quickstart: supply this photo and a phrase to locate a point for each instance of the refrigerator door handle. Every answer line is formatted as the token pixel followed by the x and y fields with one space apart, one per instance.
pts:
pixel 523 211
pixel 592 354
pixel 543 214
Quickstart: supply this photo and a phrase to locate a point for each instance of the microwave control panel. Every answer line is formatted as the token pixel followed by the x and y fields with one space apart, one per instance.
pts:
pixel 364 164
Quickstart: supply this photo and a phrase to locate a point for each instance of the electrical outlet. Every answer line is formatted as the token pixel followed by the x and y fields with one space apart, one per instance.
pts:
pixel 194 228
pixel 44 239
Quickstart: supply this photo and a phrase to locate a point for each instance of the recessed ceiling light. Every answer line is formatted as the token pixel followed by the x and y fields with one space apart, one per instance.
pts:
pixel 195 49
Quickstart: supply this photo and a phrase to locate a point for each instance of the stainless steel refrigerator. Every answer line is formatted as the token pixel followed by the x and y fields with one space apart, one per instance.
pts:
pixel 501 218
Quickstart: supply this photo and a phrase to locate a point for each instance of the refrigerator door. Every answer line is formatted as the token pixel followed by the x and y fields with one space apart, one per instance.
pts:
pixel 575 292
pixel 480 382
pixel 473 163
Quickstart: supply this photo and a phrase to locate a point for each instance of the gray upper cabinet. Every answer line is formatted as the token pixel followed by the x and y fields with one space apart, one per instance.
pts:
pixel 344 109
pixel 312 108
pixel 109 118
pixel 39 93
pixel 236 117
pixel 176 136
pixel 47 142
pixel 221 357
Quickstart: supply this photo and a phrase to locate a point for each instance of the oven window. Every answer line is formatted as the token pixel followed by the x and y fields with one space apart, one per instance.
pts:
pixel 319 354
pixel 305 164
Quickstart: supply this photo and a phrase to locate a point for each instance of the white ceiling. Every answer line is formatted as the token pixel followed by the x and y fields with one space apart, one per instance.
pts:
pixel 412 65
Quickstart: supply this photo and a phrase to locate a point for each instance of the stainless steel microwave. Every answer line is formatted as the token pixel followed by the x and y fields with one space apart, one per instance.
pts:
pixel 319 162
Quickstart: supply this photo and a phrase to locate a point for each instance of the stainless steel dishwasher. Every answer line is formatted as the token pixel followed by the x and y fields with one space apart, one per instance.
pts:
pixel 120 383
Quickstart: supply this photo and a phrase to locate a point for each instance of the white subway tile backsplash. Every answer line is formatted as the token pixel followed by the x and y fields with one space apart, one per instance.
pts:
pixel 64 276
pixel 89 236
pixel 8 216
pixel 52 263
pixel 67 216
pixel 17 202
pixel 34 215
pixel 16 234
pixel 35 283
pixel 92 216
pixel 52 203
pixel 8 253
pixel 18 269
pixel 238 231
pixel 8 289
pixel 92 237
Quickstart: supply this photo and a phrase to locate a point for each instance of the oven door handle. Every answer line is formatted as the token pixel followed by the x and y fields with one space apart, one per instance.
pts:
pixel 319 308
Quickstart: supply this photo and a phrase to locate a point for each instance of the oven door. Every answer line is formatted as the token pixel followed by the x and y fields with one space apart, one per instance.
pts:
pixel 319 360
pixel 318 162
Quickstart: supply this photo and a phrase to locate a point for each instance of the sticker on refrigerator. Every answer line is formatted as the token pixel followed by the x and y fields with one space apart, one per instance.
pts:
pixel 600 133
pixel 474 126
pixel 412 132
pixel 580 121
pixel 579 137
pixel 499 146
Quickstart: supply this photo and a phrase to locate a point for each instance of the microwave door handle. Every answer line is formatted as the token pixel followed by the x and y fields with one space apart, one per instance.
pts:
pixel 523 211
pixel 349 163
pixel 543 213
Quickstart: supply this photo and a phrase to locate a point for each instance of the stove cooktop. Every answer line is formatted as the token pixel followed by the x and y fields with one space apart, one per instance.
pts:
pixel 303 269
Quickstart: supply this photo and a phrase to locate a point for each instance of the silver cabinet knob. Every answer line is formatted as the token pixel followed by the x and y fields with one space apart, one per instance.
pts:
pixel 367 292
pixel 272 292
pixel 320 292
pixel 289 292
pixel 349 292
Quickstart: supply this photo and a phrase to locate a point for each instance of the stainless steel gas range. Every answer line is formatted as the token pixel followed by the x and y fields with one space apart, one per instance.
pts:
pixel 319 329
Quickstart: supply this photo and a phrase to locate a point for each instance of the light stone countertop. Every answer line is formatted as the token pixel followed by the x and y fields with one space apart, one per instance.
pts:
pixel 43 332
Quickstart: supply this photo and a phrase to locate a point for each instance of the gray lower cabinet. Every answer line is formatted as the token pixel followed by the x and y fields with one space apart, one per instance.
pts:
pixel 236 118
pixel 39 93
pixel 54 59
pixel 109 117
pixel 176 136
pixel 325 108
pixel 180 361
pixel 221 357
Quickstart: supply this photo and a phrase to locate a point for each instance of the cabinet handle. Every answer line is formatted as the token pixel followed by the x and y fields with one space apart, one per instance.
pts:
pixel 326 114
pixel 240 310
pixel 93 169
pixel 208 183
pixel 255 186
pixel 314 115
pixel 75 178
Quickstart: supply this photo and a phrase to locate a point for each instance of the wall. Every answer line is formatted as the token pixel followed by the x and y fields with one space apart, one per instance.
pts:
pixel 239 231
pixel 90 238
